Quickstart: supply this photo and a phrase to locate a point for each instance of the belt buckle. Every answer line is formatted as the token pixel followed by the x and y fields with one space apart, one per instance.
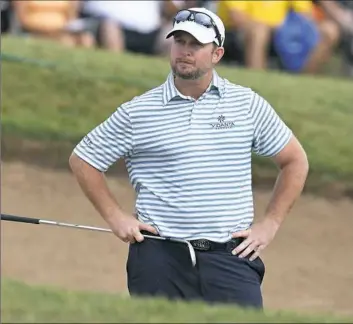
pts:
pixel 202 245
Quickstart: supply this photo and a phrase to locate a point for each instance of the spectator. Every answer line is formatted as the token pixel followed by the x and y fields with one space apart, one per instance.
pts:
pixel 208 4
pixel 57 20
pixel 169 9
pixel 136 26
pixel 5 15
pixel 338 11
pixel 251 26
pixel 340 14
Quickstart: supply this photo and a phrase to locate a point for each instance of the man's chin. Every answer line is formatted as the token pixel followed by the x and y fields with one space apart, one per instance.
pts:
pixel 186 75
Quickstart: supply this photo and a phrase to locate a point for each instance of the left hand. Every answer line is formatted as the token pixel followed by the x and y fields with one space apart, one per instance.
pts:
pixel 257 237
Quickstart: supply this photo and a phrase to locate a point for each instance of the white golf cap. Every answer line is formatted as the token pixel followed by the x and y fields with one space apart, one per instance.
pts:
pixel 203 34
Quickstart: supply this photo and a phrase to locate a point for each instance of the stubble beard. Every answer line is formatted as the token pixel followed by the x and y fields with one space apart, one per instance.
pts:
pixel 193 75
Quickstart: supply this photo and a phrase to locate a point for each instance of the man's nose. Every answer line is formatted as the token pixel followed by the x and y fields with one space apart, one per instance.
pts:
pixel 186 50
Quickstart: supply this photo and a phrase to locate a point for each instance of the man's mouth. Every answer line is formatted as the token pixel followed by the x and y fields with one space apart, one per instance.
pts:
pixel 185 62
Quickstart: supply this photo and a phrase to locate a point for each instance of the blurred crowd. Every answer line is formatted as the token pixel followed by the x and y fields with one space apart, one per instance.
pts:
pixel 255 33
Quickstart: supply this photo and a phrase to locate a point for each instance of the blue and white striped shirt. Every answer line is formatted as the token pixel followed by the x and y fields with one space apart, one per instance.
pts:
pixel 190 160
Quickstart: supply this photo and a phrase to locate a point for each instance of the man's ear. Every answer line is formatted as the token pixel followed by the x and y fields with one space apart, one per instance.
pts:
pixel 218 53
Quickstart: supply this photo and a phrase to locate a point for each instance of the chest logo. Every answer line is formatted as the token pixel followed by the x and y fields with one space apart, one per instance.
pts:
pixel 222 123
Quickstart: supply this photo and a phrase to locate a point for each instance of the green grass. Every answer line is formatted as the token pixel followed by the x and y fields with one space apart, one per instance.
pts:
pixel 24 303
pixel 65 102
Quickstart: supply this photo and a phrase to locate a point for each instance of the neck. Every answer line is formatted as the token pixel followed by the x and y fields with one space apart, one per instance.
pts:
pixel 193 88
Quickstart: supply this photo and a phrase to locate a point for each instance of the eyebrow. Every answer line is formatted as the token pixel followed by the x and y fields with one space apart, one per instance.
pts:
pixel 193 41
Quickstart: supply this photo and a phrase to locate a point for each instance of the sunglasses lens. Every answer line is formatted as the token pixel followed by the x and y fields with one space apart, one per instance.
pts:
pixel 198 17
pixel 182 15
pixel 203 19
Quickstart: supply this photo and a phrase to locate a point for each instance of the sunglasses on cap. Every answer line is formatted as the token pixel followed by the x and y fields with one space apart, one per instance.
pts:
pixel 200 18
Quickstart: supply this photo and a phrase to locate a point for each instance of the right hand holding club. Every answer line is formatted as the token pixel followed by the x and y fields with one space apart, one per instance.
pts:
pixel 127 228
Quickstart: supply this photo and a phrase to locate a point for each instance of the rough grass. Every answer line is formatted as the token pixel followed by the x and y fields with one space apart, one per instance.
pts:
pixel 36 304
pixel 66 101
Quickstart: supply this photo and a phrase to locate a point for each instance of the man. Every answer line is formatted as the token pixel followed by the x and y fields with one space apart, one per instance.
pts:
pixel 251 26
pixel 187 145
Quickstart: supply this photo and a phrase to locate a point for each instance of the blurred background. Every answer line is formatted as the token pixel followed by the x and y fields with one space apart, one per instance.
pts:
pixel 252 29
pixel 67 65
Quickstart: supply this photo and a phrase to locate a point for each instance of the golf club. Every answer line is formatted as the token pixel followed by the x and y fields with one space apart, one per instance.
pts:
pixel 30 220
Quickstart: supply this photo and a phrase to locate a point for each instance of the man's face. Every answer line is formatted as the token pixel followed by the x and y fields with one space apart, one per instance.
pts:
pixel 190 59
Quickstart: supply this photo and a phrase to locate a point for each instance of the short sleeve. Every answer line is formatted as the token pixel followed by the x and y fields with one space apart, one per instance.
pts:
pixel 108 142
pixel 271 134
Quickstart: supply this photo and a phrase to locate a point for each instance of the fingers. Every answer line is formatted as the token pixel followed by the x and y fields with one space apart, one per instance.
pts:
pixel 136 234
pixel 248 250
pixel 129 231
pixel 127 238
pixel 148 228
pixel 242 246
pixel 247 247
pixel 245 233
pixel 256 253
pixel 131 235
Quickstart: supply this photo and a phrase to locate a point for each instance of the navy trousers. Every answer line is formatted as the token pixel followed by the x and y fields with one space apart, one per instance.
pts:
pixel 163 269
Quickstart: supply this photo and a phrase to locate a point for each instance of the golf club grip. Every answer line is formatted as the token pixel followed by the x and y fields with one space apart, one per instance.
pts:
pixel 20 219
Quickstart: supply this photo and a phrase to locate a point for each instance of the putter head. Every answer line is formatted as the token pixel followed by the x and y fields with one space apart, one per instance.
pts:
pixel 192 253
pixel 191 249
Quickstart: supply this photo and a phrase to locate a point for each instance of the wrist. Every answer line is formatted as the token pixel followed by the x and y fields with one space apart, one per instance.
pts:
pixel 274 220
pixel 111 216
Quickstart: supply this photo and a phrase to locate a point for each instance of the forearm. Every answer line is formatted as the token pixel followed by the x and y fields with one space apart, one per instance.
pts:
pixel 288 187
pixel 74 9
pixel 94 186
pixel 239 19
pixel 170 8
pixel 20 8
pixel 333 10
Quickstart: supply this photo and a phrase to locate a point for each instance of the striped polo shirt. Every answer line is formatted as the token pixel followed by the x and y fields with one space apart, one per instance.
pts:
pixel 190 160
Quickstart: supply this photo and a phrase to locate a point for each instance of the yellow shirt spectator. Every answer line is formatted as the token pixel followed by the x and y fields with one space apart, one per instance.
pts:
pixel 271 13
pixel 45 16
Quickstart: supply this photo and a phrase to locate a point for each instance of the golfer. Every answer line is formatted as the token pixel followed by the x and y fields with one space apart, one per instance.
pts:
pixel 187 145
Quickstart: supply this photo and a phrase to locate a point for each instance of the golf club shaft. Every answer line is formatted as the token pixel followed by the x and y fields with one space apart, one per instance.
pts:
pixel 30 220
pixel 38 221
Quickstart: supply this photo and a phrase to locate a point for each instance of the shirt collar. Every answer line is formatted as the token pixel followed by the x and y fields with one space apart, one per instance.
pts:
pixel 170 91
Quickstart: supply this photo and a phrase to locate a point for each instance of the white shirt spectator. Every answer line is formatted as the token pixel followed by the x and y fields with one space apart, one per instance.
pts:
pixel 140 16
pixel 4 5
